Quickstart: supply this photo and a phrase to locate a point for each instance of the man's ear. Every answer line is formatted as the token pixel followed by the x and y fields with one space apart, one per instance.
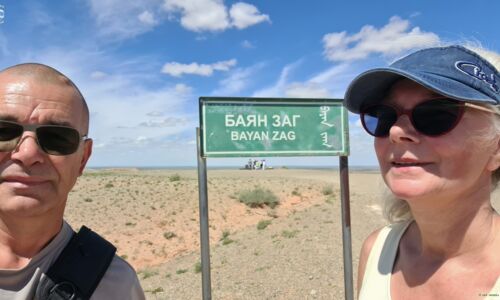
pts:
pixel 87 151
pixel 494 162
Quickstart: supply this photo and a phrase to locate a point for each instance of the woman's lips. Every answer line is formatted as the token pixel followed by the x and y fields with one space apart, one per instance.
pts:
pixel 407 164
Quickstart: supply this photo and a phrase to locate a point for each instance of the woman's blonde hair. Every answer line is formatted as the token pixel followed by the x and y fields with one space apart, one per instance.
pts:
pixel 397 210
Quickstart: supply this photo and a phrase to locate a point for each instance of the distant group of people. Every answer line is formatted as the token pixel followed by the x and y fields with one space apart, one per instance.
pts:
pixel 255 164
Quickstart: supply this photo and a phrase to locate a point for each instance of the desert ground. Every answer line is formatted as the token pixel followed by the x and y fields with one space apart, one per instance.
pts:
pixel 152 218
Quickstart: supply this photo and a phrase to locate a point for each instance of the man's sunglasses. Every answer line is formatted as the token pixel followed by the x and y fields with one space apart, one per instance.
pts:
pixel 432 117
pixel 52 139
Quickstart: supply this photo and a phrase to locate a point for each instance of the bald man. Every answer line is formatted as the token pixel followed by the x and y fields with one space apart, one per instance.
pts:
pixel 44 148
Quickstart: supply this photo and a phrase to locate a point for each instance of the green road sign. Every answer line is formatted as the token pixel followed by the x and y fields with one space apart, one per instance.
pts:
pixel 237 127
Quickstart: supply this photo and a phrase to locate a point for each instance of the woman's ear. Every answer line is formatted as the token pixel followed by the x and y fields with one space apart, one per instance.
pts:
pixel 494 162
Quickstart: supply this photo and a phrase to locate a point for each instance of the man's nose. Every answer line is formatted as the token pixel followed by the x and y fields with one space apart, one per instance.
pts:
pixel 27 150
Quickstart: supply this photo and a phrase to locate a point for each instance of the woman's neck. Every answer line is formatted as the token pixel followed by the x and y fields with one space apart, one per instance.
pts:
pixel 453 228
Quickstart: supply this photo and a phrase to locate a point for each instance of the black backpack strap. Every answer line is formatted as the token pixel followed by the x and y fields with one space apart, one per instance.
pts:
pixel 79 268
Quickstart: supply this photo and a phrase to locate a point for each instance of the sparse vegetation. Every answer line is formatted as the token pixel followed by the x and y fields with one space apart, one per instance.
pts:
pixel 175 177
pixel 327 190
pixel 262 268
pixel 169 234
pixel 144 205
pixel 157 290
pixel 146 273
pixel 289 233
pixel 258 197
pixel 197 267
pixel 272 213
pixel 225 238
pixel 263 224
pixel 227 241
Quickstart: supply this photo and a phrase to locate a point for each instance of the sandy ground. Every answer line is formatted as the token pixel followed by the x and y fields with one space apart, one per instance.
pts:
pixel 153 220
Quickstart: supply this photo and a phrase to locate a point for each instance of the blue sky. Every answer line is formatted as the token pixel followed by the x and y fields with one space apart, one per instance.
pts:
pixel 143 64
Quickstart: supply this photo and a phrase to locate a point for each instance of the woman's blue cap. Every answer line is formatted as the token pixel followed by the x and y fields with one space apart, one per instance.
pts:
pixel 452 71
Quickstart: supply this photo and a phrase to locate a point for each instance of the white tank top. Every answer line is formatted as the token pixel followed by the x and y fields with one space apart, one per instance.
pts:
pixel 377 278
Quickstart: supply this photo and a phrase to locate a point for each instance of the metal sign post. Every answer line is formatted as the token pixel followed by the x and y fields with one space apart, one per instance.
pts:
pixel 346 226
pixel 246 127
pixel 204 236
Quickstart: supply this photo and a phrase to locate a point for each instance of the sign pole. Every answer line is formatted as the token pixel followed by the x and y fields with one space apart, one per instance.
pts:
pixel 205 241
pixel 346 226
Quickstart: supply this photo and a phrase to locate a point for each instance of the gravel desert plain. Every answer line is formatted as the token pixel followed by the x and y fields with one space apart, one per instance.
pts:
pixel 291 249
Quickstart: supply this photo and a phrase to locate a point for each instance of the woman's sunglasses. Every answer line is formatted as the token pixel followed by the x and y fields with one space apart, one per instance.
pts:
pixel 52 139
pixel 432 117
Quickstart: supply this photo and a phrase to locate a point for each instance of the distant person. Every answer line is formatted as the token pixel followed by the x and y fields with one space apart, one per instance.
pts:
pixel 263 164
pixel 257 164
pixel 436 121
pixel 44 147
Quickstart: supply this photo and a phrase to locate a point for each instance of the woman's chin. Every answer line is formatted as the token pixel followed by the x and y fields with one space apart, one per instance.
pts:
pixel 408 189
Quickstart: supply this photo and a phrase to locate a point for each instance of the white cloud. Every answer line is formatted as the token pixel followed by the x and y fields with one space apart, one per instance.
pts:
pixel 326 84
pixel 154 114
pixel 213 15
pixel 98 75
pixel 182 89
pixel 278 89
pixel 142 139
pixel 333 73
pixel 356 122
pixel 306 90
pixel 247 44
pixel 118 19
pixel 415 14
pixel 394 38
pixel 177 69
pixel 237 81
pixel 361 143
pixel 200 15
pixel 244 15
pixel 165 122
pixel 39 16
pixel 147 18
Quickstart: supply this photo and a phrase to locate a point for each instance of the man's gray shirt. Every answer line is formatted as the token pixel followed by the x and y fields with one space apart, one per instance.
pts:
pixel 119 282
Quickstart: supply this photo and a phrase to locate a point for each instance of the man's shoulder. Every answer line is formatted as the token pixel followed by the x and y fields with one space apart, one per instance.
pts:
pixel 119 282
pixel 120 268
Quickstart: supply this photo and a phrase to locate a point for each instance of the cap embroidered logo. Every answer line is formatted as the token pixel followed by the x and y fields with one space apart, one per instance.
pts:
pixel 477 72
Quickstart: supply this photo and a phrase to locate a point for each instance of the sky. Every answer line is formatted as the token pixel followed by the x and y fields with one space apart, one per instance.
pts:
pixel 142 65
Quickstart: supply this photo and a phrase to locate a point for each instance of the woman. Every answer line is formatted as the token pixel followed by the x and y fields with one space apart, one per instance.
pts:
pixel 436 121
